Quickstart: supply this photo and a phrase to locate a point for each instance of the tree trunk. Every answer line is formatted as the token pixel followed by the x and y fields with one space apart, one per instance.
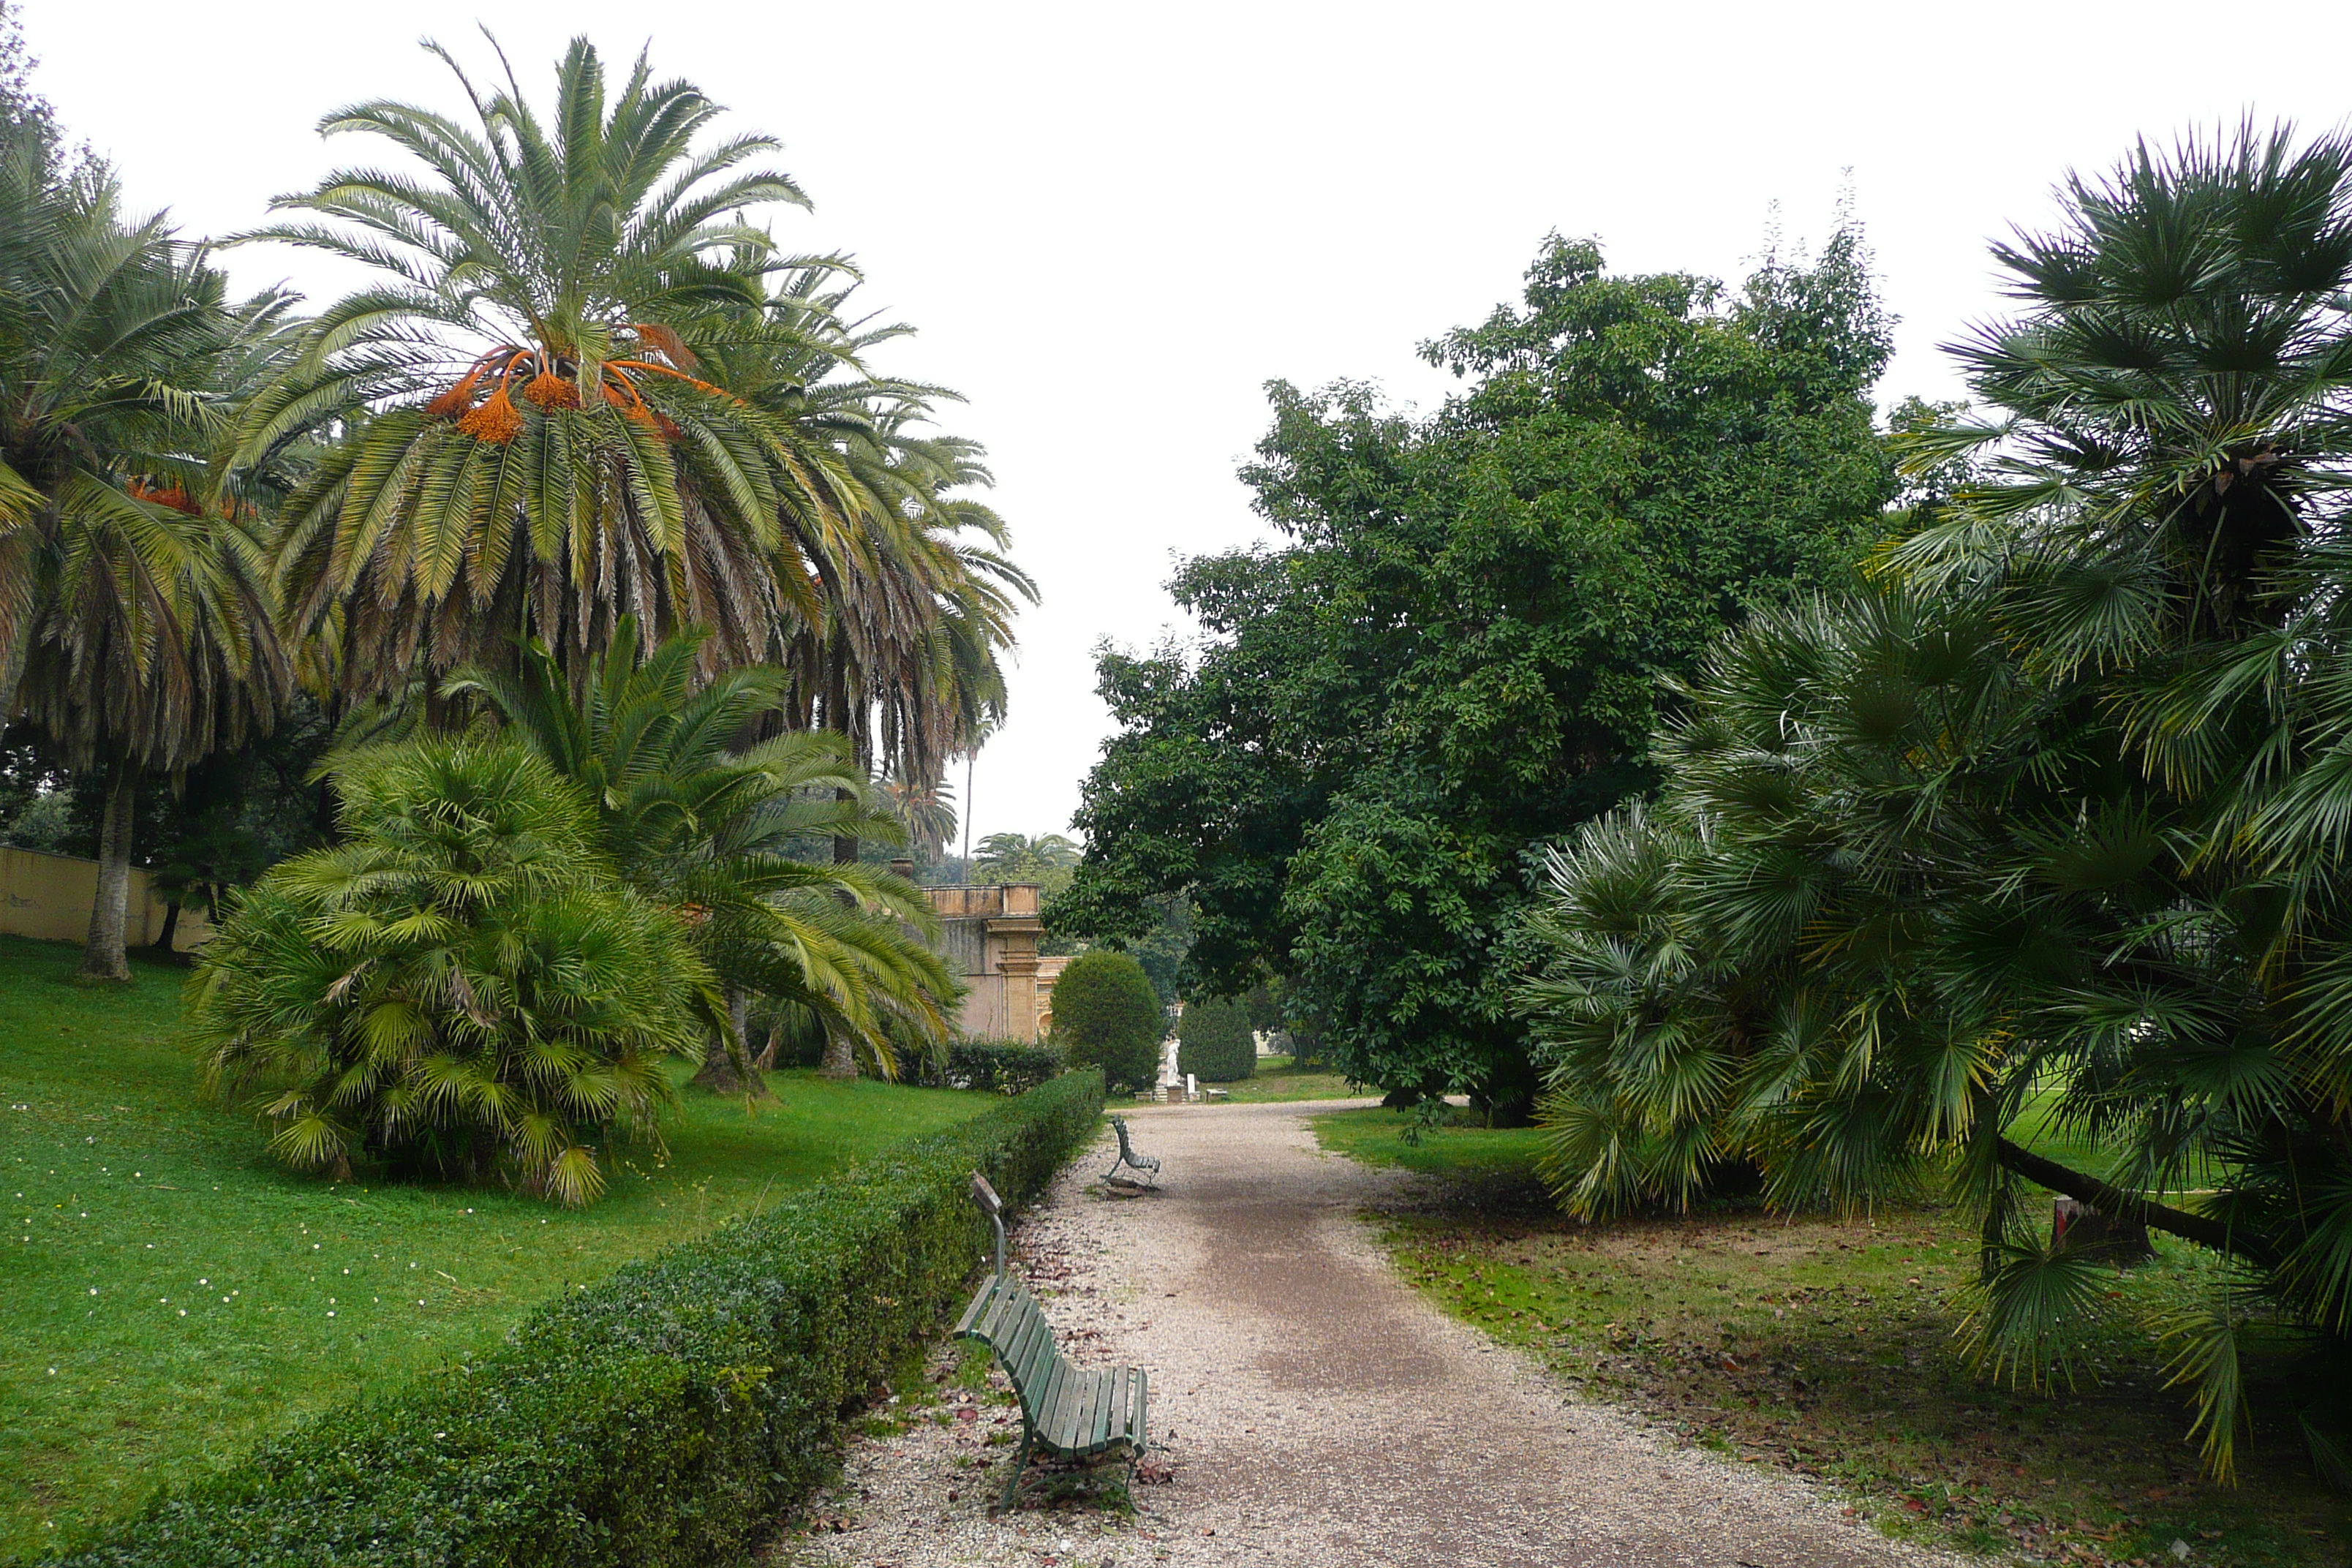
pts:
pixel 840 1058
pixel 171 931
pixel 837 718
pixel 104 957
pixel 729 1068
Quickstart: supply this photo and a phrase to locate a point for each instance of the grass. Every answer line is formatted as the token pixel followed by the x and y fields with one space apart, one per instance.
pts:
pixel 173 1295
pixel 1277 1079
pixel 1825 1347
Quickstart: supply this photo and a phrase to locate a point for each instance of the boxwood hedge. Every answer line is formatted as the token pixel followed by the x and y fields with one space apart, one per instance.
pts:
pixel 668 1414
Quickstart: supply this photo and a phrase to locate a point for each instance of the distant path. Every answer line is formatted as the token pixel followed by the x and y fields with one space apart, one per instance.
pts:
pixel 1316 1409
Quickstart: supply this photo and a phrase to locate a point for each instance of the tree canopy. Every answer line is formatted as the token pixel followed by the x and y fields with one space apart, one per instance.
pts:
pixel 1456 648
pixel 2047 820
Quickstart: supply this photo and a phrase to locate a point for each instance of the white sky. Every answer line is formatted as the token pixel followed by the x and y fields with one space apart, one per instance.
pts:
pixel 1114 222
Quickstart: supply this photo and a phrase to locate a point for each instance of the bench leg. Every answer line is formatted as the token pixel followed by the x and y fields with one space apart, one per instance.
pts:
pixel 1020 1463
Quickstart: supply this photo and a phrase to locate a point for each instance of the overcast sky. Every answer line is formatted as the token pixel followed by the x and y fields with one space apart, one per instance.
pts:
pixel 1113 224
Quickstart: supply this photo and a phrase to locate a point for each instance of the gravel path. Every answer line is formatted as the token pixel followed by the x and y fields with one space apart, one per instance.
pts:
pixel 1307 1408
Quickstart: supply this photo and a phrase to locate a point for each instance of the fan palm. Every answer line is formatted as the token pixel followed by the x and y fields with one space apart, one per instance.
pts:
pixel 700 823
pixel 461 985
pixel 525 440
pixel 2047 821
pixel 135 627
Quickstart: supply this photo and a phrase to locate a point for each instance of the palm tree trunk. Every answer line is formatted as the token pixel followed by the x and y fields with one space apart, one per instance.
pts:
pixel 729 1069
pixel 104 958
pixel 837 718
pixel 840 1059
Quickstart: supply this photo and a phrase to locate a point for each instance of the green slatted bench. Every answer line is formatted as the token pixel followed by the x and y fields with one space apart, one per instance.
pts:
pixel 1071 1411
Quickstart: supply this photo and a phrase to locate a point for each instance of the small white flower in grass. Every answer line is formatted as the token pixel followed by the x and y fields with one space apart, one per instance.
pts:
pixel 184 1312
pixel 330 1314
pixel 93 1289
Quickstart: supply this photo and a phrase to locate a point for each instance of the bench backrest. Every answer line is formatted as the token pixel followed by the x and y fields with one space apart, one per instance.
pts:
pixel 1119 1125
pixel 1009 1323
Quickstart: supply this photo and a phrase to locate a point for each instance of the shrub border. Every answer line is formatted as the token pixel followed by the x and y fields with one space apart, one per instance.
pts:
pixel 666 1416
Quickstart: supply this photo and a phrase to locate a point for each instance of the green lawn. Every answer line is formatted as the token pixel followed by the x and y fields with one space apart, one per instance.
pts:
pixel 1277 1080
pixel 172 1295
pixel 1826 1347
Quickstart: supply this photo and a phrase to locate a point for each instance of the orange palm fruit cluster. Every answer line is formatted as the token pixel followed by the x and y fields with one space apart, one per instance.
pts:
pixel 496 420
pixel 172 496
pixel 456 398
pixel 550 390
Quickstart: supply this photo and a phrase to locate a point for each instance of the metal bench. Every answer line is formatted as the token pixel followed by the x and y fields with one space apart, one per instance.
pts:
pixel 1071 1411
pixel 1127 1154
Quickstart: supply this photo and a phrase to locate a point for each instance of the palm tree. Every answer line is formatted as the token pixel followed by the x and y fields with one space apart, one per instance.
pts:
pixel 135 626
pixel 524 439
pixel 700 823
pixel 1008 857
pixel 2047 823
pixel 919 597
pixel 462 984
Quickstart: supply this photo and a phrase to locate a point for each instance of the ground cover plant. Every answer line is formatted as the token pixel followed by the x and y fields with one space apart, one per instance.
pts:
pixel 120 1183
pixel 1826 1348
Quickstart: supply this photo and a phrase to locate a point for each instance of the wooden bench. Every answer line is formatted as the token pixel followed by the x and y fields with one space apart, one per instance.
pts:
pixel 1127 1154
pixel 1069 1411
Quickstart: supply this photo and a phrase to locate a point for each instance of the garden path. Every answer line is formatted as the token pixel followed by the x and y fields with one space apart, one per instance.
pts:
pixel 1309 1408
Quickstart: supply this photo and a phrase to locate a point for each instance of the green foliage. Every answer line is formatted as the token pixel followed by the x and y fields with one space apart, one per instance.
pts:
pixel 665 1417
pixel 460 986
pixel 2052 809
pixel 1008 1067
pixel 1214 1042
pixel 163 1202
pixel 694 819
pixel 1455 650
pixel 1106 1015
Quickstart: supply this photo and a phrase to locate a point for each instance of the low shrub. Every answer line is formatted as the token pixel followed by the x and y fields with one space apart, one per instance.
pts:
pixel 1010 1067
pixel 1214 1042
pixel 461 987
pixel 667 1416
pixel 1106 1015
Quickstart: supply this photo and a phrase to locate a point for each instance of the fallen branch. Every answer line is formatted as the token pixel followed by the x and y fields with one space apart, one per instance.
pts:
pixel 2117 1203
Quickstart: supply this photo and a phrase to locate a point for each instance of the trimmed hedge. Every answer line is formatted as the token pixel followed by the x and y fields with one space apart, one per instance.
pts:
pixel 667 1416
pixel 1009 1066
pixel 1214 1042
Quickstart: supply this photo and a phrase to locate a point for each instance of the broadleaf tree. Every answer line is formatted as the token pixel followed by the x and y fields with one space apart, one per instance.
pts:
pixel 1457 647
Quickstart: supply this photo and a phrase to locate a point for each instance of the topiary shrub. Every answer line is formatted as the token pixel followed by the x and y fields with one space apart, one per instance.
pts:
pixel 664 1417
pixel 1214 1043
pixel 1106 1015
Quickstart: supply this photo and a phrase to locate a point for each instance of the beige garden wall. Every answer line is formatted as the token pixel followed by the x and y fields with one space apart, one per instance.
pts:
pixel 48 897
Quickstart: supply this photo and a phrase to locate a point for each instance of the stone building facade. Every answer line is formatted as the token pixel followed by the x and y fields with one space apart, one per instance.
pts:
pixel 988 937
